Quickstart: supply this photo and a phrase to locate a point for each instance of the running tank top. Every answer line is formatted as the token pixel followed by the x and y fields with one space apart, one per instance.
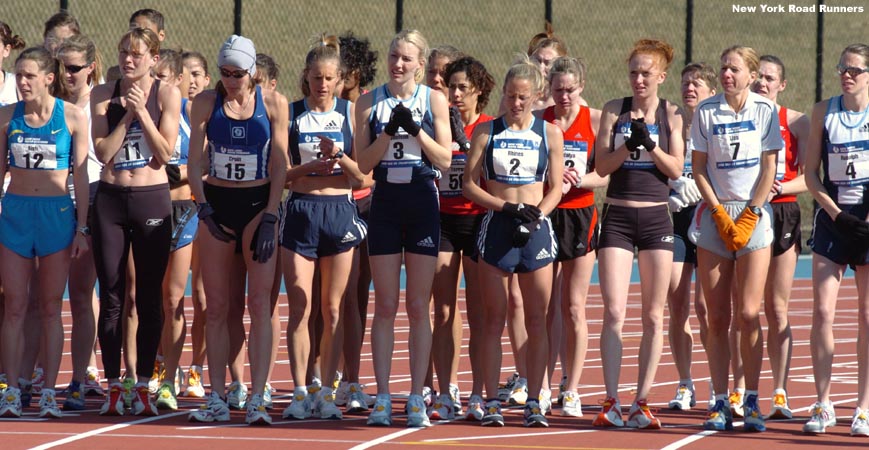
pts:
pixel 8 92
pixel 239 150
pixel 307 126
pixel 578 152
pixel 182 145
pixel 516 156
pixel 45 148
pixel 450 184
pixel 404 161
pixel 845 154
pixel 788 163
pixel 638 178
pixel 135 152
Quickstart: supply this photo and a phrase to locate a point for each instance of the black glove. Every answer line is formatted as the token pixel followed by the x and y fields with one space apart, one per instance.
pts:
pixel 639 136
pixel 852 227
pixel 263 242
pixel 458 130
pixel 525 213
pixel 404 118
pixel 205 215
pixel 521 236
pixel 174 174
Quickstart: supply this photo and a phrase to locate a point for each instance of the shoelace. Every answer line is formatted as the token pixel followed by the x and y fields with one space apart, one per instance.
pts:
pixel 735 398
pixel 607 404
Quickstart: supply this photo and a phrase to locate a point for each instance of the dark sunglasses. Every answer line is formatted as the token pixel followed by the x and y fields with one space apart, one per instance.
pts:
pixel 232 73
pixel 853 72
pixel 75 69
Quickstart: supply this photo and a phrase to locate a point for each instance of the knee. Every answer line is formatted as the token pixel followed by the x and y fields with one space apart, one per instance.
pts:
pixel 418 312
pixel 331 315
pixel 217 311
pixel 386 309
pixel 653 320
pixel 442 315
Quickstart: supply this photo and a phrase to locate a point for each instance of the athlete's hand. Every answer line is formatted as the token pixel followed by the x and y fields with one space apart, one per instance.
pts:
pixel 640 136
pixel 327 146
pixel 687 189
pixel 263 242
pixel 206 213
pixel 676 203
pixel 173 172
pixel 743 228
pixel 852 227
pixel 521 236
pixel 136 100
pixel 79 245
pixel 725 225
pixel 404 118
pixel 525 213
pixel 458 129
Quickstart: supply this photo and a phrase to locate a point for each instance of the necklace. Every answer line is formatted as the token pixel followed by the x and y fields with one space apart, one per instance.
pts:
pixel 243 107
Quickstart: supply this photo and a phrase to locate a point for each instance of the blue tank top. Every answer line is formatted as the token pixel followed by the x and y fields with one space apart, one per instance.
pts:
pixel 239 149
pixel 306 126
pixel 182 144
pixel 845 153
pixel 516 156
pixel 404 160
pixel 45 148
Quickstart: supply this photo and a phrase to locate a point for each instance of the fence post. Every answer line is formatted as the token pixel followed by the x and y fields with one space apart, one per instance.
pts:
pixel 547 11
pixel 64 5
pixel 399 15
pixel 689 31
pixel 236 22
pixel 819 52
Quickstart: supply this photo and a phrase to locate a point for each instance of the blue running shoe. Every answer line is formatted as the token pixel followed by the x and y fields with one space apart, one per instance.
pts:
pixel 753 418
pixel 719 417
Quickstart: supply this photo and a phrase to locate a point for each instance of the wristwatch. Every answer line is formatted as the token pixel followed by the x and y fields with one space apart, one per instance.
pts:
pixel 338 155
pixel 578 182
pixel 756 210
pixel 84 230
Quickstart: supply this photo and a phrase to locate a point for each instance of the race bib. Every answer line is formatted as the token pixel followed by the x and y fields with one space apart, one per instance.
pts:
pixel 515 160
pixel 639 158
pixel 309 148
pixel 135 152
pixel 34 153
pixel 403 154
pixel 576 155
pixel 450 184
pixel 235 164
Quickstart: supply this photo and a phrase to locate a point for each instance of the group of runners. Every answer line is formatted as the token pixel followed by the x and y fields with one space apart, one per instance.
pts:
pixel 139 176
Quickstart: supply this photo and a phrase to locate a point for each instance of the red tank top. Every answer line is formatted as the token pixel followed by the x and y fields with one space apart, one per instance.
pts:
pixel 578 151
pixel 450 185
pixel 792 163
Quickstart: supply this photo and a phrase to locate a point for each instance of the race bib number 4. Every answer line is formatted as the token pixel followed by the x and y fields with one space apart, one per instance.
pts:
pixel 849 163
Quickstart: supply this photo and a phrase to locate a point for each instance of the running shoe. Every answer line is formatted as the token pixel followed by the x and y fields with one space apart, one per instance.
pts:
pixel 114 404
pixel 534 416
pixel 166 398
pixel 736 400
pixel 358 400
pixel 327 407
pixel 48 404
pixel 37 380
pixel 10 402
pixel 684 399
pixel 456 397
pixel 416 412
pixel 257 414
pixel 780 409
pixel 610 414
pixel 860 423
pixel 381 415
pixel 142 404
pixel 314 395
pixel 194 383
pixel 92 383
pixel 74 397
pixel 26 392
pixel 300 408
pixel 237 395
pixel 157 377
pixel 429 397
pixel 719 417
pixel 129 391
pixel 267 396
pixel 823 417
pixel 504 390
pixel 571 405
pixel 342 394
pixel 4 382
pixel 753 418
pixel 640 416
pixel 562 389
pixel 493 416
pixel 215 409
pixel 179 379
pixel 544 400
pixel 519 394
pixel 443 408
pixel 475 408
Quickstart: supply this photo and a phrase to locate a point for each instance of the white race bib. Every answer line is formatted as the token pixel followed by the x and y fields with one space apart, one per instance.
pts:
pixel 34 155
pixel 134 152
pixel 450 184
pixel 235 164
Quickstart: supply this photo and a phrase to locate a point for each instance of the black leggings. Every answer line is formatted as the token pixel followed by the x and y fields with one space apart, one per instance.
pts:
pixel 141 217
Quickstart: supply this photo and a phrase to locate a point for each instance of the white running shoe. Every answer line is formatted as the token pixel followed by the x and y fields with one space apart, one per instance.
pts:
pixel 48 404
pixel 780 409
pixel 381 415
pixel 300 408
pixel 236 396
pixel 10 403
pixel 327 407
pixel 476 408
pixel 860 423
pixel 214 410
pixel 416 412
pixel 194 383
pixel 257 414
pixel 684 399
pixel 571 406
pixel 519 394
pixel 823 417
pixel 443 408
pixel 358 400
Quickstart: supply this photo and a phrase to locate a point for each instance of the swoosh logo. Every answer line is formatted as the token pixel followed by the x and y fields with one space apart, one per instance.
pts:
pixel 56 131
pixel 64 209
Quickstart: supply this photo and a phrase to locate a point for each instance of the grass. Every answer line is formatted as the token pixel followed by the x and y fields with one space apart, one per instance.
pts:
pixel 601 32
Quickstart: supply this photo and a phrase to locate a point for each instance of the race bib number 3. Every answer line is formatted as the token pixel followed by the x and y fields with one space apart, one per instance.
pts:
pixel 34 156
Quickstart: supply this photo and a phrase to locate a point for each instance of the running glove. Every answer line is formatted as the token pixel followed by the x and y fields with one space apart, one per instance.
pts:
pixel 525 213
pixel 851 226
pixel 263 242
pixel 404 118
pixel 174 174
pixel 206 213
pixel 521 236
pixel 458 130
pixel 687 190
pixel 743 228
pixel 725 226
pixel 640 136
pixel 391 127
pixel 675 203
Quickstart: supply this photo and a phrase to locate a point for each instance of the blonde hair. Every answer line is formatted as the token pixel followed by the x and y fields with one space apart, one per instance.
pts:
pixel 547 39
pixel 748 55
pixel 568 66
pixel 415 38
pixel 137 35
pixel 325 48
pixel 523 69
pixel 80 43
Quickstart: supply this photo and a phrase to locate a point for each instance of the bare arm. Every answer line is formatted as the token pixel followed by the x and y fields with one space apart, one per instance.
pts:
pixel 606 158
pixel 279 117
pixel 162 140
pixel 800 127
pixel 701 177
pixel 77 122
pixel 672 162
pixel 200 111
pixel 471 188
pixel 106 144
pixel 813 161
pixel 437 147
pixel 370 153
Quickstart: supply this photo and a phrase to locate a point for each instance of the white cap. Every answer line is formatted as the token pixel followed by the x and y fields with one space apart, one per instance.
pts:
pixel 238 51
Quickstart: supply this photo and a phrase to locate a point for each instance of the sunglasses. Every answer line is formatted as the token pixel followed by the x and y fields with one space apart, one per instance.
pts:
pixel 75 69
pixel 853 72
pixel 232 73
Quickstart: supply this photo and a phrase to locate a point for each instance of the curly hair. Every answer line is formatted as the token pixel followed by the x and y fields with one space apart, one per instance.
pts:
pixel 7 38
pixel 357 56
pixel 477 75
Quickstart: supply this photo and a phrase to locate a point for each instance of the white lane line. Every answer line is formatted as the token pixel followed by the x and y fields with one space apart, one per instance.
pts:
pixel 507 436
pixel 99 431
pixel 384 439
